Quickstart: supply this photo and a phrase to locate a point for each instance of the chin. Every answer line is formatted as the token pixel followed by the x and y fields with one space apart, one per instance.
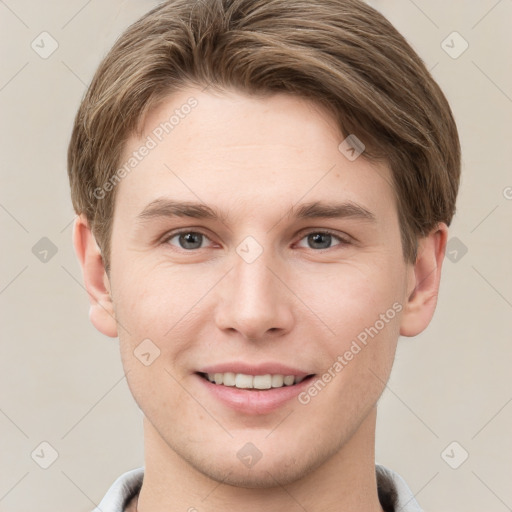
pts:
pixel 262 477
pixel 271 470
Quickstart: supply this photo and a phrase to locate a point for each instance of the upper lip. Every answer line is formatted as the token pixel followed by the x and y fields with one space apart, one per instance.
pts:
pixel 254 369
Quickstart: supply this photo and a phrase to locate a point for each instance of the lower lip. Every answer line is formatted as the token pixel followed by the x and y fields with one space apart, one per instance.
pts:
pixel 254 401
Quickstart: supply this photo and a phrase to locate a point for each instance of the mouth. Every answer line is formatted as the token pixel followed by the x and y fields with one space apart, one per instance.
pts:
pixel 248 382
pixel 252 388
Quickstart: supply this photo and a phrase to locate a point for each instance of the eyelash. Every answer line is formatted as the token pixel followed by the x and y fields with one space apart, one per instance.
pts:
pixel 342 241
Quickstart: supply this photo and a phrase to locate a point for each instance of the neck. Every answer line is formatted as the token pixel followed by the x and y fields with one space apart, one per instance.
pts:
pixel 344 482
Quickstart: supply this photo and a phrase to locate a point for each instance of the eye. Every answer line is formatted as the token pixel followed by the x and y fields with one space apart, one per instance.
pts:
pixel 323 239
pixel 191 240
pixel 187 240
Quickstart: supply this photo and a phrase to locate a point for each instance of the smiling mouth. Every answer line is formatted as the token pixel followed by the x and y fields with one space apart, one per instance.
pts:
pixel 253 382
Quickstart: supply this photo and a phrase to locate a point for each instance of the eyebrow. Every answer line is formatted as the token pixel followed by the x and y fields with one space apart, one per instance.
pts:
pixel 320 209
pixel 163 207
pixel 169 208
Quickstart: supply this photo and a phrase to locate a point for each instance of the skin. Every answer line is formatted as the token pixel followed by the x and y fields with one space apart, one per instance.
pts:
pixel 298 303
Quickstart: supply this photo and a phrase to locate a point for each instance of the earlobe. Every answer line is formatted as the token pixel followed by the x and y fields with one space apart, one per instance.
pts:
pixel 426 274
pixel 101 312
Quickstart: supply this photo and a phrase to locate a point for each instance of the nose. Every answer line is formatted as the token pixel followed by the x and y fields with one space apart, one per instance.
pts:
pixel 254 300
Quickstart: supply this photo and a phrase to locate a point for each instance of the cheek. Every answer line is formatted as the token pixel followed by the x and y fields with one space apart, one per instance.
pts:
pixel 351 297
pixel 152 298
pixel 360 359
pixel 361 306
pixel 157 315
pixel 160 305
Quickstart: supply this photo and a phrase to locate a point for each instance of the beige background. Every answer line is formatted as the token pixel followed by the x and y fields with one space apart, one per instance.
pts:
pixel 62 382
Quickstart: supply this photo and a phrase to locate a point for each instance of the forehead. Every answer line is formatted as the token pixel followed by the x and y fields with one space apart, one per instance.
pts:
pixel 236 150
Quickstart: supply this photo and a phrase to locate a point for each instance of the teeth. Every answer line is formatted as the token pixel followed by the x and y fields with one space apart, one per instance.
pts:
pixel 289 380
pixel 243 381
pixel 229 379
pixel 262 381
pixel 277 381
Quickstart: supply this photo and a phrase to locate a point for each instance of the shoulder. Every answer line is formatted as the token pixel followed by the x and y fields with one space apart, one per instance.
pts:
pixel 394 493
pixel 122 491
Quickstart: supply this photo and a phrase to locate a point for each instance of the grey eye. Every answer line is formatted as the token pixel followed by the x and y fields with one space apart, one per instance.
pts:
pixel 188 240
pixel 319 240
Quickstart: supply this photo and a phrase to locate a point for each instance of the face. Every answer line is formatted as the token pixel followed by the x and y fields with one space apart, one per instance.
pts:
pixel 244 244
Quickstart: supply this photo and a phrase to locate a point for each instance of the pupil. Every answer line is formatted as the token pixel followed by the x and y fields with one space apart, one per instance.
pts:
pixel 190 240
pixel 316 238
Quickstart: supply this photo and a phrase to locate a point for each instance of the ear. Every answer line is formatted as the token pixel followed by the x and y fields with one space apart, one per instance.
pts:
pixel 101 312
pixel 424 282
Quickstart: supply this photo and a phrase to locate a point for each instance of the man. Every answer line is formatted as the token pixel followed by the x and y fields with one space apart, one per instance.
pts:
pixel 263 191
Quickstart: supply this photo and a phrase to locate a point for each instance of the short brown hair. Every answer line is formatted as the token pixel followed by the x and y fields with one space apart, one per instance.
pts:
pixel 342 54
